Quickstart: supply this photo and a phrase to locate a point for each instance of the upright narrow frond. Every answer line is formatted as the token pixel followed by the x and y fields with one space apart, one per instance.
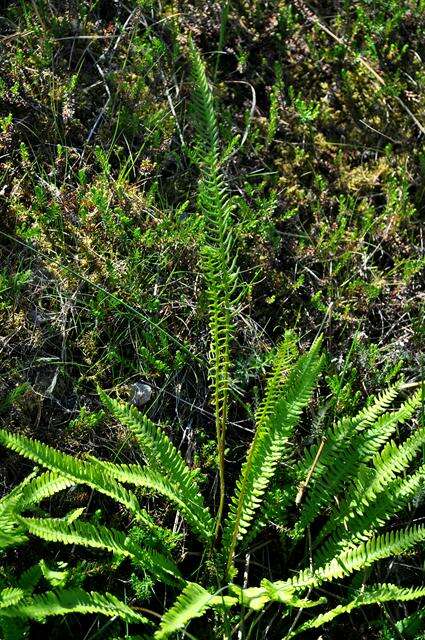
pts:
pixel 278 418
pixel 218 261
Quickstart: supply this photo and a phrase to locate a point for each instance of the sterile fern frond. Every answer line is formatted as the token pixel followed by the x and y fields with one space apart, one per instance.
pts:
pixel 347 447
pixel 192 603
pixel 43 486
pixel 62 602
pixel 196 515
pixel 370 595
pixel 162 456
pixel 77 471
pixel 101 537
pixel 359 556
pixel 278 417
pixel 10 596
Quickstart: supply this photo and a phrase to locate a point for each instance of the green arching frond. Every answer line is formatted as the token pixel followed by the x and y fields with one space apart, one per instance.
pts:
pixel 30 491
pixel 77 471
pixel 357 528
pixel 193 602
pixel 355 558
pixel 370 595
pixel 11 532
pixel 100 537
pixel 62 602
pixel 196 515
pixel 275 428
pixel 162 456
pixel 10 596
pixel 360 556
pixel 42 487
pixel 346 447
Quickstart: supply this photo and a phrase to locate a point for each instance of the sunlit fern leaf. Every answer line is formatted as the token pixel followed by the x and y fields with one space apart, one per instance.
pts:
pixel 42 487
pixel 10 596
pixel 11 532
pixel 75 470
pixel 369 595
pixel 195 513
pixel 101 537
pixel 30 491
pixel 192 603
pixel 62 602
pixel 163 457
pixel 359 556
pixel 356 528
pixel 346 447
pixel 376 491
pixel 278 417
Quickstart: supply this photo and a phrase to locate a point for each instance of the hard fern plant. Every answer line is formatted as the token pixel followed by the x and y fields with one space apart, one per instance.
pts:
pixel 330 502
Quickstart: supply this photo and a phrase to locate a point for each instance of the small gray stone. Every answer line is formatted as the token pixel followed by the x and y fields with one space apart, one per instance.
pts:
pixel 141 394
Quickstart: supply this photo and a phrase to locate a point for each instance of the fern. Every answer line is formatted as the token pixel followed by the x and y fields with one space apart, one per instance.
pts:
pixel 192 509
pixel 277 419
pixel 348 446
pixel 100 537
pixel 61 602
pixel 10 596
pixel 192 603
pixel 162 456
pixel 217 255
pixel 370 595
pixel 74 470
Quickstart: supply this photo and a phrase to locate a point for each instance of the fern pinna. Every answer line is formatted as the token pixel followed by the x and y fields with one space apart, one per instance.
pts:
pixel 330 501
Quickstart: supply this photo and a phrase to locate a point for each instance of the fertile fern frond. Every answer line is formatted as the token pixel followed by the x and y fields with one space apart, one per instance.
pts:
pixel 345 448
pixel 203 104
pixel 195 514
pixel 100 537
pixel 77 471
pixel 162 456
pixel 278 417
pixel 62 602
pixel 370 595
pixel 218 261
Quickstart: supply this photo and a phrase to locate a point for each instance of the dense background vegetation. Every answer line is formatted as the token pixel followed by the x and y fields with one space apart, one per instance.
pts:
pixel 322 115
